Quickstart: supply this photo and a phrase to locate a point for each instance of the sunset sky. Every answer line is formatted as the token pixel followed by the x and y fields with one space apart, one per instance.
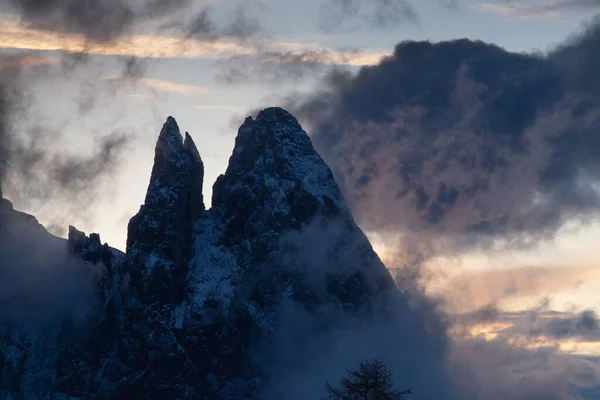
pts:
pixel 270 52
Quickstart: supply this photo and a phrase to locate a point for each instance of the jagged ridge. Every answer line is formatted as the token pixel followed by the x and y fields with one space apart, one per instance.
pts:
pixel 198 288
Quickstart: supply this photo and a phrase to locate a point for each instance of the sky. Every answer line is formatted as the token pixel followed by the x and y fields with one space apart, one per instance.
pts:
pixel 84 95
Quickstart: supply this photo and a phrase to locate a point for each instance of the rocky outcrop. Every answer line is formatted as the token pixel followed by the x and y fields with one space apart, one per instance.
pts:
pixel 90 249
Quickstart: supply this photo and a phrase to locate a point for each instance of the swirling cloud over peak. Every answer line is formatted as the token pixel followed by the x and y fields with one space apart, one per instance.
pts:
pixel 466 140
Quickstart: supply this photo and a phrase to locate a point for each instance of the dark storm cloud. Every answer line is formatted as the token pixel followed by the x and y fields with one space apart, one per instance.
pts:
pixel 581 326
pixel 10 101
pixel 38 174
pixel 4 136
pixel 464 139
pixel 97 20
pixel 265 64
pixel 240 25
pixel 76 173
pixel 275 67
pixel 376 14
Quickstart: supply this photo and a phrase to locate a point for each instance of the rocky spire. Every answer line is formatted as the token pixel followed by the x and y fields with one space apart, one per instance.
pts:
pixel 196 178
pixel 159 236
pixel 275 178
pixel 282 209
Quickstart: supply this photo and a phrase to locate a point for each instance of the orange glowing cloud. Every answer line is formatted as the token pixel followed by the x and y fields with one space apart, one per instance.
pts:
pixel 15 36
pixel 14 61
pixel 471 290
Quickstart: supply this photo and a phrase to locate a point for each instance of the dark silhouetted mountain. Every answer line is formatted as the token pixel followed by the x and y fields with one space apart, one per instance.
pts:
pixel 184 313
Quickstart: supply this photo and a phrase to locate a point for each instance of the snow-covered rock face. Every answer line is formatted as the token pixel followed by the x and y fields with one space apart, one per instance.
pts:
pixel 275 179
pixel 276 196
pixel 199 290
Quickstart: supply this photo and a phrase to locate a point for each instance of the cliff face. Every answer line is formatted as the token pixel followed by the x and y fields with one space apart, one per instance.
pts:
pixel 198 291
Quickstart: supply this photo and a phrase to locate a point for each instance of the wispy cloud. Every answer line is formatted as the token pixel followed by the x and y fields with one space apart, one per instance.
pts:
pixel 475 289
pixel 24 60
pixel 139 97
pixel 513 11
pixel 570 5
pixel 164 86
pixel 375 14
pixel 217 107
pixel 275 66
pixel 571 332
pixel 15 36
pixel 535 8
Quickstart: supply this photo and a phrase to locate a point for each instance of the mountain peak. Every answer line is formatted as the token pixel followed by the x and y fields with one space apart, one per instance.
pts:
pixel 279 123
pixel 191 148
pixel 196 177
pixel 177 165
pixel 276 145
pixel 159 236
pixel 171 123
pixel 277 114
pixel 170 128
pixel 275 179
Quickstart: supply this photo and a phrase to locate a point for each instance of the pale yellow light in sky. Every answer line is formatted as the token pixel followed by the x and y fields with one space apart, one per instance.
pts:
pixel 493 330
pixel 165 86
pixel 564 270
pixel 14 36
pixel 512 11
pixel 214 107
pixel 26 60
